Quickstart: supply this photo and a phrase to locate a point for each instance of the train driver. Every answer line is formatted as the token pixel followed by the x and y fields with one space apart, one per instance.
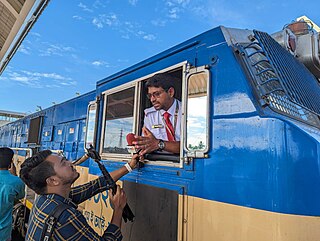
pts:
pixel 162 121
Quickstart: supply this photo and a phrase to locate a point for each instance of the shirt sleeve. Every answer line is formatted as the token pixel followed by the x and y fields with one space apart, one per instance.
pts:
pixel 147 123
pixel 73 226
pixel 83 192
pixel 20 188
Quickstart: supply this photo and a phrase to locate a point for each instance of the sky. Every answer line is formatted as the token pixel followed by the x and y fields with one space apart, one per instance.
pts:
pixel 75 43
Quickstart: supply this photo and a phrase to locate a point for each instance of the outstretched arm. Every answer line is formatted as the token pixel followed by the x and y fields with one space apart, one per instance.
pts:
pixel 148 143
pixel 83 192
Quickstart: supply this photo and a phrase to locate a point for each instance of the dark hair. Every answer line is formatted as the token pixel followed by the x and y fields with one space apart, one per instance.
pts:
pixel 6 155
pixel 35 170
pixel 164 80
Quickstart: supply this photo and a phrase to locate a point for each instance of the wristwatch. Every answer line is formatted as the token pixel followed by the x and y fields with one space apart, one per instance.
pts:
pixel 161 145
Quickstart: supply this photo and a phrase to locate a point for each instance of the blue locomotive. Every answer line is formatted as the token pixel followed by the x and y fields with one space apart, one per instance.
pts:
pixel 249 162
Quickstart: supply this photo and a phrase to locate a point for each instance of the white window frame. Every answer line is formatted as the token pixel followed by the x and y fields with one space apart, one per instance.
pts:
pixel 198 153
pixel 115 156
pixel 137 83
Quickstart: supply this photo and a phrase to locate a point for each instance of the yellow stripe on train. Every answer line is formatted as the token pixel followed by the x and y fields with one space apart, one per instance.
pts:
pixel 209 221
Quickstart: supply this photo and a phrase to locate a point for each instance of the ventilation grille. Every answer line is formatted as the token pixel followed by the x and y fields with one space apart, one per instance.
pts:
pixel 301 86
pixel 282 83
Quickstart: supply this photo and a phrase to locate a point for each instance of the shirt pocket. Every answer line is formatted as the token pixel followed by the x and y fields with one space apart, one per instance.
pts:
pixel 160 133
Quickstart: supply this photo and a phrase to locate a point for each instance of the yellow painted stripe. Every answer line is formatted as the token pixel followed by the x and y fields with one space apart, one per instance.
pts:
pixel 209 221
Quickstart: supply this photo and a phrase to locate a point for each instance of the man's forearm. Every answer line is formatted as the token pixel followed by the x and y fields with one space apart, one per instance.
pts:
pixel 117 217
pixel 172 146
pixel 117 174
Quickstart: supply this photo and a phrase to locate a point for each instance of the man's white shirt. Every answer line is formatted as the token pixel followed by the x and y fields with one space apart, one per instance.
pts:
pixel 154 121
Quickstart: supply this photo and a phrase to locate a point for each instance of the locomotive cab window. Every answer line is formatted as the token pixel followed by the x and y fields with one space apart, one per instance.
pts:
pixel 90 125
pixel 162 93
pixel 127 109
pixel 118 121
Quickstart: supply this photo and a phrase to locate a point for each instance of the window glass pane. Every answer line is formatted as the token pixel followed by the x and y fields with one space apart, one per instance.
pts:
pixel 90 125
pixel 119 121
pixel 197 112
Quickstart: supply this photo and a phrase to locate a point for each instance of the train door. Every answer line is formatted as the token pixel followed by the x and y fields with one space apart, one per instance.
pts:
pixel 58 137
pixel 46 139
pixel 6 136
pixel 13 134
pixel 1 136
pixel 18 135
pixel 81 137
pixel 71 139
pixel 24 133
pixel 156 193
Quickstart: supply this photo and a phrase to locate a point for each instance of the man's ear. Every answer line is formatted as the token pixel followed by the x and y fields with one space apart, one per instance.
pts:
pixel 52 181
pixel 171 91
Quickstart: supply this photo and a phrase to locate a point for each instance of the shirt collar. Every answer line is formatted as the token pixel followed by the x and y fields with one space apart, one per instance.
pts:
pixel 57 197
pixel 171 110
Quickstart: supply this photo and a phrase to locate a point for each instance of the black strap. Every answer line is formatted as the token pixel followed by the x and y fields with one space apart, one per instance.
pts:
pixel 52 220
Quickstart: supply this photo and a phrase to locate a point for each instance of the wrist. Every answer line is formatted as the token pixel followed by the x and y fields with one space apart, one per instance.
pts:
pixel 161 145
pixel 128 167
pixel 118 210
pixel 131 164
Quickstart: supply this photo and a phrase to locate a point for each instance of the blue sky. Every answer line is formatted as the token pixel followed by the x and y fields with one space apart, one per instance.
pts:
pixel 76 43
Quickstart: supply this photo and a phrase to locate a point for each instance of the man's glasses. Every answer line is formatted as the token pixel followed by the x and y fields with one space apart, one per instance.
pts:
pixel 155 94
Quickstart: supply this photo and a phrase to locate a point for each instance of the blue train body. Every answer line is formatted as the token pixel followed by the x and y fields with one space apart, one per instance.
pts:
pixel 262 141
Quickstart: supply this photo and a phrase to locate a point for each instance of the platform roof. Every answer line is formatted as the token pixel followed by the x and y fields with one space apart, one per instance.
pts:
pixel 12 114
pixel 16 19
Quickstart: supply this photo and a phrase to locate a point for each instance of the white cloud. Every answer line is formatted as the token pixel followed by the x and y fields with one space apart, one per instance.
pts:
pixel 170 4
pixel 34 34
pixel 133 2
pixel 183 3
pixel 176 7
pixel 46 75
pixel 68 83
pixel 126 28
pixel 103 19
pixel 23 79
pixel 100 4
pixel 96 22
pixel 39 80
pixel 125 36
pixel 149 37
pixel 24 49
pixel 99 63
pixel 173 13
pixel 218 12
pixel 77 17
pixel 84 7
pixel 159 22
pixel 56 49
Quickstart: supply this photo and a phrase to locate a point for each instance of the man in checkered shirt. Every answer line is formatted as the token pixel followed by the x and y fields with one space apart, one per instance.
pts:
pixel 51 176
